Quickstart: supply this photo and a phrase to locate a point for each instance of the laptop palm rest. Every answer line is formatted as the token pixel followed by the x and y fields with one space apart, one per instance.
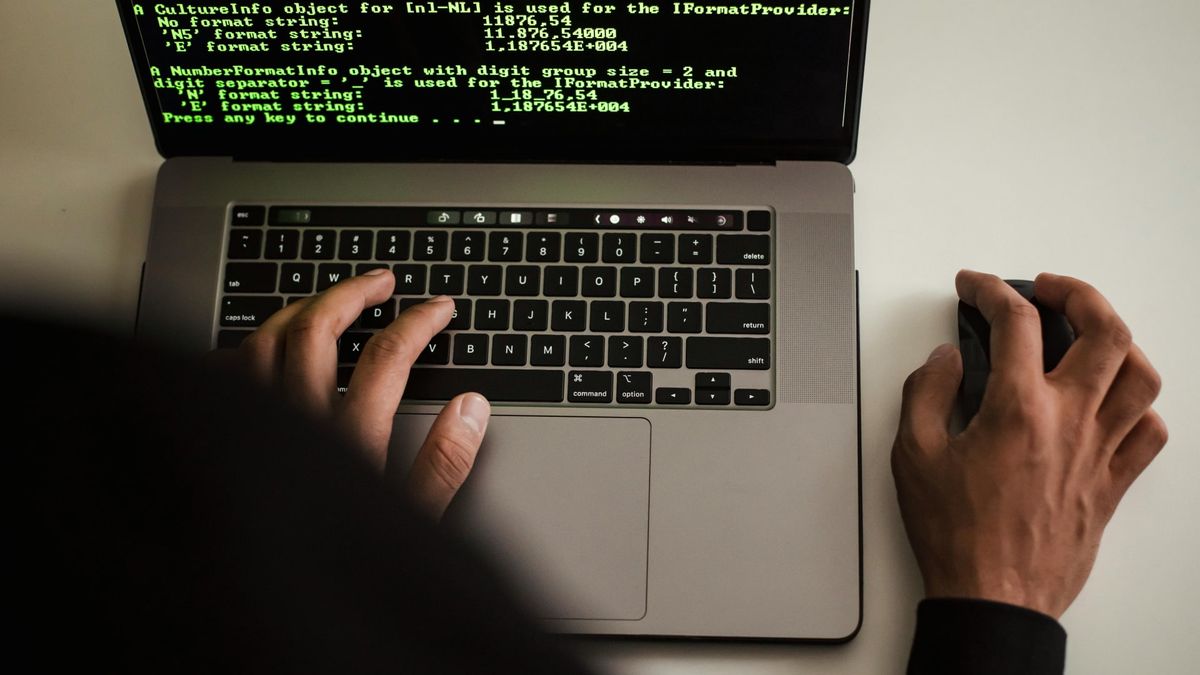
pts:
pixel 562 503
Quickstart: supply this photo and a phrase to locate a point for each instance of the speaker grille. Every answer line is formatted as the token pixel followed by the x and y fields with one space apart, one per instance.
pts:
pixel 817 341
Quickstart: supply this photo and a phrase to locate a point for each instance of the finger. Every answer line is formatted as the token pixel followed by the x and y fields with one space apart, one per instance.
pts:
pixel 1136 452
pixel 928 400
pixel 382 371
pixel 1015 344
pixel 446 458
pixel 310 355
pixel 1133 391
pixel 262 350
pixel 1102 339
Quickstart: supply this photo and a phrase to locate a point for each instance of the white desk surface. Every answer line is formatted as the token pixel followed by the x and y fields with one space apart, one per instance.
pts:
pixel 1011 137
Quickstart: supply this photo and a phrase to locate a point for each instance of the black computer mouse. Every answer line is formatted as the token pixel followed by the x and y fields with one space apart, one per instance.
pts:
pixel 974 335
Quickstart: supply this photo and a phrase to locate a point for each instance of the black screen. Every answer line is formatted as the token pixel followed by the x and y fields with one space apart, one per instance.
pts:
pixel 489 80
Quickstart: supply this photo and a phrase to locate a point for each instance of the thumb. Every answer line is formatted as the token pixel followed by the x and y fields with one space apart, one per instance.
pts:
pixel 446 457
pixel 929 398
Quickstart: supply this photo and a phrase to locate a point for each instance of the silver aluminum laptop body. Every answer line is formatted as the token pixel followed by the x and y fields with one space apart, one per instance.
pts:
pixel 637 521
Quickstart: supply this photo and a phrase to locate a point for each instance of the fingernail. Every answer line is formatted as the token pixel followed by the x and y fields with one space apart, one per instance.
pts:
pixel 440 298
pixel 474 412
pixel 939 351
pixel 375 272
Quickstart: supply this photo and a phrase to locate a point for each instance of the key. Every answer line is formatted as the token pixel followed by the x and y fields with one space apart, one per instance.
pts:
pixel 664 352
pixel 504 247
pixel 231 339
pixel 561 281
pixel 607 317
pixel 582 247
pixel 410 279
pixel 568 315
pixel 531 315
pixel 297 278
pixel 751 397
pixel 713 380
pixel 728 353
pixel 714 282
pixel 521 280
pixel 738 317
pixel 672 396
pixel 250 277
pixel 548 350
pixel 752 284
pixel 743 249
pixel 491 315
pixel 437 352
pixel 479 217
pixel 429 245
pixel 446 279
pixel 351 345
pixel 248 311
pixel 599 282
pixel 683 317
pixel 543 246
pixel 245 244
pixel 620 247
pixel 516 218
pixel 658 248
pixel 461 318
pixel 675 282
pixel 443 217
pixel 248 216
pixel 498 386
pixel 484 280
pixel 712 396
pixel 645 317
pixel 589 387
pixel 318 245
pixel 392 245
pixel 470 349
pixel 587 351
pixel 759 221
pixel 637 282
pixel 634 387
pixel 625 351
pixel 379 316
pixel 282 245
pixel 466 245
pixel 362 268
pixel 329 274
pixel 695 249
pixel 508 350
pixel 355 245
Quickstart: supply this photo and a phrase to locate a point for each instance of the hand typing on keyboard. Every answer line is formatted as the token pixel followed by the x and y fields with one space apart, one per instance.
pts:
pixel 296 352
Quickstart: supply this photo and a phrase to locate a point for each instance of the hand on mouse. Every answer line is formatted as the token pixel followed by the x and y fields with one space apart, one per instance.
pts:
pixel 295 352
pixel 1012 509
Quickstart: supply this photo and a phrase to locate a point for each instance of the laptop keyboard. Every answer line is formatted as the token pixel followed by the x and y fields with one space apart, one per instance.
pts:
pixel 611 306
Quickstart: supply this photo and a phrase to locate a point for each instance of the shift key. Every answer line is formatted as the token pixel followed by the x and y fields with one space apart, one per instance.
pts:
pixel 728 353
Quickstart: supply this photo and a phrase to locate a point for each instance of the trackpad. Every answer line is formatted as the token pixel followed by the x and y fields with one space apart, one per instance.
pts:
pixel 562 503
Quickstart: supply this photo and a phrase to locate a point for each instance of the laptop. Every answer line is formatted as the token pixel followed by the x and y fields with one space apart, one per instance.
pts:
pixel 644 213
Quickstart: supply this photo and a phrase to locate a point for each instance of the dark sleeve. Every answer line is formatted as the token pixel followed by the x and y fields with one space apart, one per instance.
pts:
pixel 978 637
pixel 162 520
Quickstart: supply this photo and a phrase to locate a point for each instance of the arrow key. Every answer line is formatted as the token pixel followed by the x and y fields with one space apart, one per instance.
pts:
pixel 712 396
pixel 673 396
pixel 752 397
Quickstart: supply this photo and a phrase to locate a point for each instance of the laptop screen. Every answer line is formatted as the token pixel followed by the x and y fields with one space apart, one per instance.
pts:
pixel 501 80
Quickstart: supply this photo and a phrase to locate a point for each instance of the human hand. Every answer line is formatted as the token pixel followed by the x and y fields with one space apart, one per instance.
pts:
pixel 295 353
pixel 1012 509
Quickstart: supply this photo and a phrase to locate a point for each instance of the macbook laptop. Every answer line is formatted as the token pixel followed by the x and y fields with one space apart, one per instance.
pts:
pixel 644 214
